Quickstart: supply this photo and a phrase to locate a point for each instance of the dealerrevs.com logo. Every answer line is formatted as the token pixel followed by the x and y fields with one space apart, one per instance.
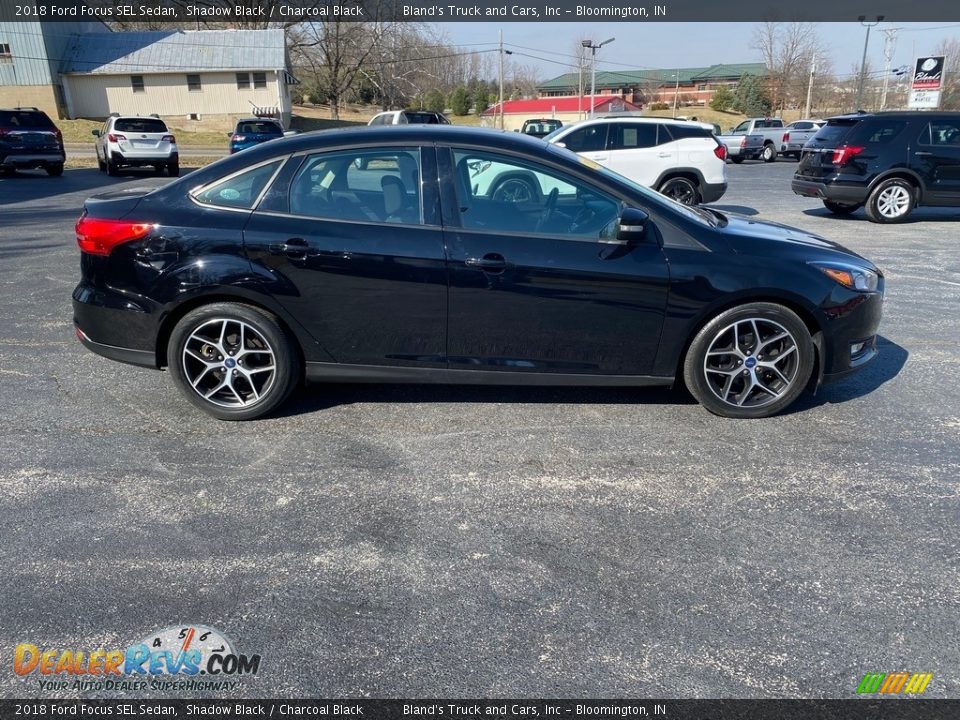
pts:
pixel 894 683
pixel 172 659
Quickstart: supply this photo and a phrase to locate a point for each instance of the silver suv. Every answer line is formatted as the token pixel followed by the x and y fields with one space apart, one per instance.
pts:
pixel 135 142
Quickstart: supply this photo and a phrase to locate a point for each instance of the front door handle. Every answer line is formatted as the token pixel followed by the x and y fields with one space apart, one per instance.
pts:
pixel 922 153
pixel 490 263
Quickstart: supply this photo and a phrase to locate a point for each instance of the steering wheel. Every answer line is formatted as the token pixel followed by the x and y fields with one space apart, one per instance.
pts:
pixel 549 208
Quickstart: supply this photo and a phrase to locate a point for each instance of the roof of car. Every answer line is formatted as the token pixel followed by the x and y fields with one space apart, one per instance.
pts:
pixel 642 120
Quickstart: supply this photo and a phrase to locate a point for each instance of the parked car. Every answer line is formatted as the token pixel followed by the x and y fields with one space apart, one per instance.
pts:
pixel 682 160
pixel 409 117
pixel 795 136
pixel 287 261
pixel 742 147
pixel 135 141
pixel 30 139
pixel 888 163
pixel 540 127
pixel 771 129
pixel 253 131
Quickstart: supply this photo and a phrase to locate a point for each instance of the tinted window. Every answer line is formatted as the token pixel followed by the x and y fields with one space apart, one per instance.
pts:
pixel 366 186
pixel 193 83
pixel 422 118
pixel 833 133
pixel 944 132
pixel 680 132
pixel 243 81
pixel 632 136
pixel 802 126
pixel 241 190
pixel 505 195
pixel 136 83
pixel 139 125
pixel 264 127
pixel 25 119
pixel 586 139
pixel 259 80
pixel 877 131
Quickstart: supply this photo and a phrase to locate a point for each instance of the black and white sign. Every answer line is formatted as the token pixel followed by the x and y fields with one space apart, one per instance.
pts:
pixel 927 82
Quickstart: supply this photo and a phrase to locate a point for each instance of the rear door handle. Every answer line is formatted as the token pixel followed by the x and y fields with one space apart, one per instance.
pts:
pixel 294 248
pixel 491 262
pixel 922 153
pixel 665 155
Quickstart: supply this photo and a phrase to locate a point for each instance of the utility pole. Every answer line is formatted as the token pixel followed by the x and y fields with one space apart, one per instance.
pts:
pixel 813 71
pixel 676 93
pixel 889 44
pixel 863 62
pixel 500 104
pixel 580 85
pixel 593 68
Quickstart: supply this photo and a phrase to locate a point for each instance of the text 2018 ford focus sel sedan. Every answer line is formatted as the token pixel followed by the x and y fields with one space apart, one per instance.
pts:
pixel 452 255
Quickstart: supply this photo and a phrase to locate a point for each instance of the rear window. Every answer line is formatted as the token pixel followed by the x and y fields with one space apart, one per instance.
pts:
pixel 140 125
pixel 422 118
pixel 259 128
pixel 833 133
pixel 25 119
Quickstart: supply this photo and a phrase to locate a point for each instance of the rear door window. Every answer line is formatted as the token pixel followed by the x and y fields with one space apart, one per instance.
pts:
pixel 942 132
pixel 239 191
pixel 632 136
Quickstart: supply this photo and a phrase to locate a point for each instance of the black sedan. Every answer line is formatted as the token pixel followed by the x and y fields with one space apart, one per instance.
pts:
pixel 434 254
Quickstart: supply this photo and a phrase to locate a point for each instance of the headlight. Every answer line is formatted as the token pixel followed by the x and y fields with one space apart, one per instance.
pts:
pixel 850 276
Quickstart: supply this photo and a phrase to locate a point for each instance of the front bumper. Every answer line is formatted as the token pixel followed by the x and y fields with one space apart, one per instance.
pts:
pixel 836 192
pixel 852 320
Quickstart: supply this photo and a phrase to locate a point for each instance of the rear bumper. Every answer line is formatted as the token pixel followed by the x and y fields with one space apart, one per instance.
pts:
pixel 33 159
pixel 144 158
pixel 115 325
pixel 849 194
pixel 142 358
pixel 711 192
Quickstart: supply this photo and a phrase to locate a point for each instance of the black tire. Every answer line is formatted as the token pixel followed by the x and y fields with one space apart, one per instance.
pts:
pixel 112 169
pixel 769 153
pixel 681 189
pixel 891 201
pixel 173 169
pixel 101 165
pixel 840 208
pixel 736 159
pixel 7 172
pixel 728 376
pixel 195 352
pixel 54 170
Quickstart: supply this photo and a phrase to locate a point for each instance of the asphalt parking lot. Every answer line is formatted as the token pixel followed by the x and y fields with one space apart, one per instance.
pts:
pixel 401 541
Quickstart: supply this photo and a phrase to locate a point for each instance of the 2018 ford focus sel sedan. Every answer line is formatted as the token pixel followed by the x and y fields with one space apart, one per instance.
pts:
pixel 439 254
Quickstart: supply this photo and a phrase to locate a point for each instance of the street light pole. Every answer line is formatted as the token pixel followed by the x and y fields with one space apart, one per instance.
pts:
pixel 593 68
pixel 676 92
pixel 863 61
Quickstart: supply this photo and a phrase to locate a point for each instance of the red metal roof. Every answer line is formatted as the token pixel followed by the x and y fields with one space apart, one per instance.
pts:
pixel 565 104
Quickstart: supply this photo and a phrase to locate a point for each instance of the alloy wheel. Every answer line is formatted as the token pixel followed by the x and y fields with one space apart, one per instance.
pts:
pixel 893 201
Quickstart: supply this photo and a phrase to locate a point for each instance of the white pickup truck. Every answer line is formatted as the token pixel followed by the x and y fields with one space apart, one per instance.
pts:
pixel 770 130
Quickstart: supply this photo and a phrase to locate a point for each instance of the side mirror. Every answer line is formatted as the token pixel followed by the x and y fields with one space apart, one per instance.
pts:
pixel 560 144
pixel 289 133
pixel 95 133
pixel 632 226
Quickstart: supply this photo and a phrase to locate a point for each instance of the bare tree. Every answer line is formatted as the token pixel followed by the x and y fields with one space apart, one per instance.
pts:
pixel 950 49
pixel 788 49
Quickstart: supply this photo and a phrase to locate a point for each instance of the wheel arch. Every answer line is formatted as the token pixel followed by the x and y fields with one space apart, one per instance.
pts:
pixel 690 173
pixel 903 174
pixel 792 302
pixel 176 314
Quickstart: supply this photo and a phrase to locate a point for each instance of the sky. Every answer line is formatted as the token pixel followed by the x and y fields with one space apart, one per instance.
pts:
pixel 668 45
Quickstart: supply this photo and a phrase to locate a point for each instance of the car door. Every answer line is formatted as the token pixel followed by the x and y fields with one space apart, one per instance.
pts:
pixel 588 140
pixel 533 285
pixel 643 152
pixel 354 242
pixel 937 158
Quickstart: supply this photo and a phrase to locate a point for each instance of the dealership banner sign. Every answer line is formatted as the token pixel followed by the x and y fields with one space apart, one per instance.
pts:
pixel 927 83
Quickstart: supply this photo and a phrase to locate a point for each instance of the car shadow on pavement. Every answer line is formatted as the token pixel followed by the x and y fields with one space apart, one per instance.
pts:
pixel 887 365
pixel 738 209
pixel 30 185
pixel 928 214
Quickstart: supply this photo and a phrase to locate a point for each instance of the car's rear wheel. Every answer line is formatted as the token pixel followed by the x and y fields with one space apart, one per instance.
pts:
pixel 233 361
pixel 751 361
pixel 768 154
pixel 112 168
pixel 101 165
pixel 841 208
pixel 158 169
pixel 173 169
pixel 891 201
pixel 681 189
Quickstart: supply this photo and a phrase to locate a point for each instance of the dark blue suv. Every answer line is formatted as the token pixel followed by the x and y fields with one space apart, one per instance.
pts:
pixel 253 131
pixel 29 139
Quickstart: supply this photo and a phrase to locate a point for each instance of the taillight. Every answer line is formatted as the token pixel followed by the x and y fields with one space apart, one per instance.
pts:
pixel 720 151
pixel 743 142
pixel 238 138
pixel 843 155
pixel 113 137
pixel 786 137
pixel 169 139
pixel 99 237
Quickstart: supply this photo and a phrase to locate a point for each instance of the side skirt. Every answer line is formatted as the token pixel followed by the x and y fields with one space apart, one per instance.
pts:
pixel 335 372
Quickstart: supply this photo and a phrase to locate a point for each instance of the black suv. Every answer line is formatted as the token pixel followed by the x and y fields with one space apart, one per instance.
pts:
pixel 29 139
pixel 889 163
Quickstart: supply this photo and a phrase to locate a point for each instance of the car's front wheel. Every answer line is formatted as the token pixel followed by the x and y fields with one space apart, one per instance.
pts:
pixel 681 189
pixel 751 361
pixel 233 361
pixel 891 201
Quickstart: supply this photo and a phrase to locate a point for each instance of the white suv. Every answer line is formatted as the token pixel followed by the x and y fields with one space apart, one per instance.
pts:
pixel 682 160
pixel 135 142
